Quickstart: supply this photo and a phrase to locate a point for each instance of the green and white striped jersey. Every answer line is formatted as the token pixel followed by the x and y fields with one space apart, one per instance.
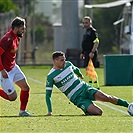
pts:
pixel 65 79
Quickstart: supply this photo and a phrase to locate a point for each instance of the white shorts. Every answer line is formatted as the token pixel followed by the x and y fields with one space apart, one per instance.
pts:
pixel 13 76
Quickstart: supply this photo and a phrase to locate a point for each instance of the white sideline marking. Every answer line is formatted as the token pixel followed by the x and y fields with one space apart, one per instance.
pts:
pixel 37 81
pixel 111 107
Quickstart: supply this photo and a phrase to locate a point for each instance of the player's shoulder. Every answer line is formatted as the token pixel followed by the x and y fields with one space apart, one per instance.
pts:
pixel 93 29
pixel 68 63
pixel 51 71
pixel 7 37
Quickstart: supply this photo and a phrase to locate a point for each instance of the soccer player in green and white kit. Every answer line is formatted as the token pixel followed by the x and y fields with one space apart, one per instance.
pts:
pixel 65 76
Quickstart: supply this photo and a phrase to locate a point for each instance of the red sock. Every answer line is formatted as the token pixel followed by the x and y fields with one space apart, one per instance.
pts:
pixel 24 95
pixel 3 94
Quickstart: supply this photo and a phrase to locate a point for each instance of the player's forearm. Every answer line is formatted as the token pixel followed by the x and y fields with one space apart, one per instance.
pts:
pixel 78 72
pixel 95 47
pixel 48 100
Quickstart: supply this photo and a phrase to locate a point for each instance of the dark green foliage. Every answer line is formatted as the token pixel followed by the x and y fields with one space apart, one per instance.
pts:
pixel 43 29
pixel 7 5
pixel 103 19
pixel 40 33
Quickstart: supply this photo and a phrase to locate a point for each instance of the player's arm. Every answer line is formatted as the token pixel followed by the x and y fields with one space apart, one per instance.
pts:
pixel 48 101
pixel 3 71
pixel 49 88
pixel 1 52
pixel 5 43
pixel 95 41
pixel 77 71
pixel 95 46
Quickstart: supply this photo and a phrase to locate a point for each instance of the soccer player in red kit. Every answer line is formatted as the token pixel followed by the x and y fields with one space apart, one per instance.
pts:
pixel 9 70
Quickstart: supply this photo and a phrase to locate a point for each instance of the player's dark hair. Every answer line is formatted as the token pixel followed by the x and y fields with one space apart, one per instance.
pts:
pixel 56 54
pixel 17 22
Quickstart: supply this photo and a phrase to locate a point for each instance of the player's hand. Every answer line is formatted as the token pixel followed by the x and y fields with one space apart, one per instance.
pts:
pixel 49 113
pixel 4 73
pixel 82 77
pixel 82 56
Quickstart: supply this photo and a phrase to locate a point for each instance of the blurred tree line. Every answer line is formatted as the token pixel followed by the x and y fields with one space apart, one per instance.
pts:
pixel 7 5
pixel 42 30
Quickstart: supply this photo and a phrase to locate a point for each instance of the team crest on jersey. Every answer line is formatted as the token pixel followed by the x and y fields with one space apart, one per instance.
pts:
pixel 14 50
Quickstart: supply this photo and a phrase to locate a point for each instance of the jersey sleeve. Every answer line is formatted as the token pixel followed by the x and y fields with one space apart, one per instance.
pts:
pixel 6 42
pixel 48 100
pixel 76 70
pixel 49 87
pixel 95 36
pixel 1 52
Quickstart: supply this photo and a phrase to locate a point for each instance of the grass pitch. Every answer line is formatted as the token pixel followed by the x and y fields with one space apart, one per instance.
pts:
pixel 66 117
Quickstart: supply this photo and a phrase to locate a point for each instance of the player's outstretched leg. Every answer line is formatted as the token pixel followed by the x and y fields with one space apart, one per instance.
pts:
pixel 101 96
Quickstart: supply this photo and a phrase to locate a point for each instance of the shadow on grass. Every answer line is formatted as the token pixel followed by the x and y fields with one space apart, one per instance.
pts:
pixel 81 115
pixel 14 116
pixel 45 93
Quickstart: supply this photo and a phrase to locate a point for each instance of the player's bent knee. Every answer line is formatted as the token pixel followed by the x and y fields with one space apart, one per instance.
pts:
pixel 94 110
pixel 100 112
pixel 13 96
pixel 26 88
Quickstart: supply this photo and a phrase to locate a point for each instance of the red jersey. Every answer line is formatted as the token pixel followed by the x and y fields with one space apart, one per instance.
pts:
pixel 8 49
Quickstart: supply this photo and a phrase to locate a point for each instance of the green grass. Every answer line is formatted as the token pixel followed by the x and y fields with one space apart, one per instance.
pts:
pixel 66 117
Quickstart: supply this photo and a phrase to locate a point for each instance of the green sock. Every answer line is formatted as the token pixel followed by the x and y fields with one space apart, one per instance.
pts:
pixel 122 102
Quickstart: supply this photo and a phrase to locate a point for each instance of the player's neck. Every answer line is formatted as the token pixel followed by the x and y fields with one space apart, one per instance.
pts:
pixel 56 67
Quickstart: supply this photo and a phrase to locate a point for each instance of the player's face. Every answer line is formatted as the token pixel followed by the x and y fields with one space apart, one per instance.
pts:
pixel 86 23
pixel 21 30
pixel 60 62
